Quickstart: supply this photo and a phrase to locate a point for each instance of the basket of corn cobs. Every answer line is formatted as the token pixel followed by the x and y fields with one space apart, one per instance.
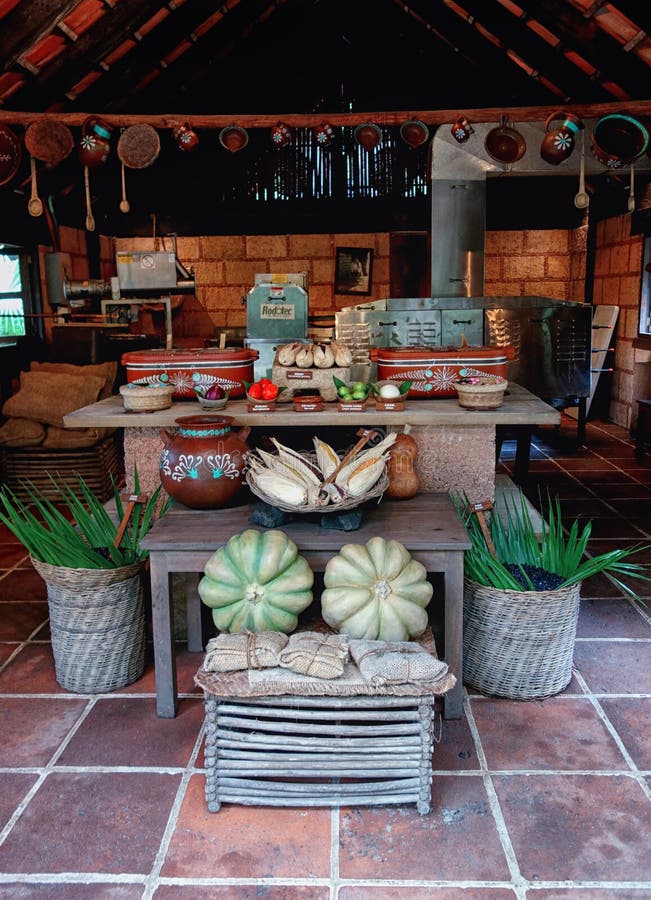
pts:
pixel 303 482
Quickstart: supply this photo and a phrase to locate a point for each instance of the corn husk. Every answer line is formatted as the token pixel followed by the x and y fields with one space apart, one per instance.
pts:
pixel 324 358
pixel 279 487
pixel 327 458
pixel 297 461
pixel 304 357
pixel 286 355
pixel 343 355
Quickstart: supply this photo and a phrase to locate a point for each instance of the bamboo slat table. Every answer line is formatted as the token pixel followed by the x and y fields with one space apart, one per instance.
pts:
pixel 182 541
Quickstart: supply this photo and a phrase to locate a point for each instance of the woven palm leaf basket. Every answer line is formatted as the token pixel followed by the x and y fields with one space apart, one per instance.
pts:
pixel 97 624
pixel 519 644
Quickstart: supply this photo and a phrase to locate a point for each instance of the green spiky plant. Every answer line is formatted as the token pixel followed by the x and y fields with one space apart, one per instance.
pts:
pixel 83 539
pixel 525 562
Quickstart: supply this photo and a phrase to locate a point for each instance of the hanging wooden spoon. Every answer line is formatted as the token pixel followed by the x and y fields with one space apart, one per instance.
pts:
pixel 124 203
pixel 90 221
pixel 35 205
pixel 582 199
pixel 631 193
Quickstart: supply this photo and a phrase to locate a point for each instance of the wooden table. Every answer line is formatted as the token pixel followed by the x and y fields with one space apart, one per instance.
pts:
pixel 184 539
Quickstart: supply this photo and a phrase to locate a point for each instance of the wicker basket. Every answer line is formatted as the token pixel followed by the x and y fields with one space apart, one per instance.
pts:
pixel 376 491
pixel 519 644
pixel 146 397
pixel 97 623
pixel 486 392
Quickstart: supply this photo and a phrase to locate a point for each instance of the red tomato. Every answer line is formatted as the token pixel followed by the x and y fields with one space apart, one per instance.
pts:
pixel 269 391
pixel 264 381
pixel 255 391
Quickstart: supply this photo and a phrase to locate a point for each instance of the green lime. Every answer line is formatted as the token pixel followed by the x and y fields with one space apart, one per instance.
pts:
pixel 343 391
pixel 359 395
pixel 359 386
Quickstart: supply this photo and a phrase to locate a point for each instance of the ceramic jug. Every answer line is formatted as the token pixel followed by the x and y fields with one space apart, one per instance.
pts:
pixel 461 130
pixel 202 464
pixel 558 143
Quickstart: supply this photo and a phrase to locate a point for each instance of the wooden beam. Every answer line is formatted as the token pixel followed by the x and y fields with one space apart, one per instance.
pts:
pixel 308 120
pixel 27 24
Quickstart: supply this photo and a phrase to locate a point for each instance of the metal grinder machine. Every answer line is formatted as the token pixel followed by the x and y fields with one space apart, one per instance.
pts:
pixel 276 314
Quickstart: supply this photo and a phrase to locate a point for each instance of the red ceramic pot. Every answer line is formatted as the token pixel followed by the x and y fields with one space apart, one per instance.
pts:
pixel 559 141
pixel 324 134
pixel 202 465
pixel 281 135
pixel 233 138
pixel 461 130
pixel 186 138
pixel 368 135
pixel 188 369
pixel 414 132
pixel 504 144
pixel 434 370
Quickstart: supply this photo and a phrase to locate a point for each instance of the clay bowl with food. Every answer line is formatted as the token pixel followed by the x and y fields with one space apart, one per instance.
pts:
pixel 212 397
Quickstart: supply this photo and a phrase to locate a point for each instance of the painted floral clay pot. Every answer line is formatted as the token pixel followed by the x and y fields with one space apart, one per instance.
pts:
pixel 281 135
pixel 202 464
pixel 618 139
pixel 94 146
pixel 186 137
pixel 461 130
pixel 323 134
pixel 559 141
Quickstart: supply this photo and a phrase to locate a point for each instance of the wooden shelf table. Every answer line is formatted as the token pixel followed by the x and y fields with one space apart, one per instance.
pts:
pixel 183 540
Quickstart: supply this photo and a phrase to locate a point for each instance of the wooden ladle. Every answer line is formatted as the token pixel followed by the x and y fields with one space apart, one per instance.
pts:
pixel 124 203
pixel 90 221
pixel 35 205
pixel 581 198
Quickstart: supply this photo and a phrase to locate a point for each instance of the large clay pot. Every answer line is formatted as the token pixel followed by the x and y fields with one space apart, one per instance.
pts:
pixel 202 464
pixel 558 143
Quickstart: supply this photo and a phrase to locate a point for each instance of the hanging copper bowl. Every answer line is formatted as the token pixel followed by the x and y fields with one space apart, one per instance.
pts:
pixel 10 154
pixel 504 144
pixel 618 139
pixel 49 141
pixel 368 135
pixel 414 132
pixel 233 138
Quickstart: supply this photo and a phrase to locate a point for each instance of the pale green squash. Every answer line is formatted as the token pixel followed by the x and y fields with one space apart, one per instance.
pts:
pixel 257 582
pixel 376 591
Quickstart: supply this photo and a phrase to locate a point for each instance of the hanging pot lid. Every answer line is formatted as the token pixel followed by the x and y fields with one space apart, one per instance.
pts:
pixel 233 138
pixel 504 144
pixel 138 146
pixel 10 154
pixel 49 141
pixel 414 132
pixel 368 135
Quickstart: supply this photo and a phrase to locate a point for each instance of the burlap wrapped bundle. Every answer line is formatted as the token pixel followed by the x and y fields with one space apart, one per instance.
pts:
pixel 315 654
pixel 395 662
pixel 245 650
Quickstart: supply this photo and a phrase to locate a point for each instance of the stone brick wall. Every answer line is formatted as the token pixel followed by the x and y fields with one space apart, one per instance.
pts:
pixel 617 281
pixel 538 263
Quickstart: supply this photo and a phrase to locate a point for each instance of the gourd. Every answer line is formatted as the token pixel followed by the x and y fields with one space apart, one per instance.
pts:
pixel 257 582
pixel 403 479
pixel 376 591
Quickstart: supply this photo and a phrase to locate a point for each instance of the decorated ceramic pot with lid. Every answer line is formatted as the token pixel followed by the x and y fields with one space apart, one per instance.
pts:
pixel 202 464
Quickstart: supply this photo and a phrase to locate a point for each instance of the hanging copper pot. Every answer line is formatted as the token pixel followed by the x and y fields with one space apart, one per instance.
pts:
pixel 618 139
pixel 461 130
pixel 281 135
pixel 10 154
pixel 324 134
pixel 368 135
pixel 186 137
pixel 233 138
pixel 414 132
pixel 559 141
pixel 504 144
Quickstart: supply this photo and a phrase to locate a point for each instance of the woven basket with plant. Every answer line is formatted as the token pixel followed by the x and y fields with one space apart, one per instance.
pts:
pixel 522 594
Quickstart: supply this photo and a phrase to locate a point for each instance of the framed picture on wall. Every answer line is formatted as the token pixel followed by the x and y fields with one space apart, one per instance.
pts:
pixel 353 270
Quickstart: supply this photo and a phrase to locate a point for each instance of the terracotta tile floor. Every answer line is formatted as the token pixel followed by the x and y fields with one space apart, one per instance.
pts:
pixel 101 799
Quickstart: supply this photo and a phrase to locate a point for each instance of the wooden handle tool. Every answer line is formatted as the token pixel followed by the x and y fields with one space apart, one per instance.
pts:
pixel 478 509
pixel 365 435
pixel 131 500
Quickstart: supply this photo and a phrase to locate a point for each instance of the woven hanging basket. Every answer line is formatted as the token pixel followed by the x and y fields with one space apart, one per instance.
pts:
pixel 97 623
pixel 49 141
pixel 138 146
pixel 519 644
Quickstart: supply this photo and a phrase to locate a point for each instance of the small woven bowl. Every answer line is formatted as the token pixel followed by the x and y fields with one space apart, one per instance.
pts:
pixel 146 397
pixel 484 392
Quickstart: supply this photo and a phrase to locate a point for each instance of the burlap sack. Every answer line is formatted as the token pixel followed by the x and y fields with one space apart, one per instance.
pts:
pixel 106 370
pixel 21 433
pixel 74 438
pixel 47 397
pixel 395 662
pixel 245 650
pixel 315 654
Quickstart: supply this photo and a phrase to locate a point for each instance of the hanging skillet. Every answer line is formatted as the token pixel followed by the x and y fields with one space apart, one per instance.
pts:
pixel 504 144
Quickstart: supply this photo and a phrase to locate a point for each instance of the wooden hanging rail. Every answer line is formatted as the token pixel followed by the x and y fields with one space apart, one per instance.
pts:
pixel 351 119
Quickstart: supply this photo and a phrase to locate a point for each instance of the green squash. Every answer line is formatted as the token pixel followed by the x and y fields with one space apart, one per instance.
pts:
pixel 257 582
pixel 376 591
